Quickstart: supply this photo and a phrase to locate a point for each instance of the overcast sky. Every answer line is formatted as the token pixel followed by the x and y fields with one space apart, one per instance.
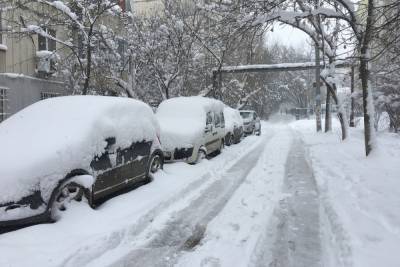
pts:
pixel 288 36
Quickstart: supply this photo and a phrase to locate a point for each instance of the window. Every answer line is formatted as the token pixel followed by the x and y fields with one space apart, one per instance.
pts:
pixel 45 95
pixel 122 49
pixel 222 119
pixel 217 120
pixel 209 118
pixel 47 43
pixel 3 104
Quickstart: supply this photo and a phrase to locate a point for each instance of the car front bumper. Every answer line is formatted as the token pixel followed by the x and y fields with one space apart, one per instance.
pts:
pixel 178 154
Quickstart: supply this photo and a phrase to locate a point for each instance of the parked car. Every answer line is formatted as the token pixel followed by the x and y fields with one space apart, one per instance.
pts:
pixel 251 122
pixel 233 126
pixel 191 127
pixel 68 148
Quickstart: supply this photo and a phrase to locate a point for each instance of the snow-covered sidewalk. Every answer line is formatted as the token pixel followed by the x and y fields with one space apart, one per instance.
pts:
pixel 359 196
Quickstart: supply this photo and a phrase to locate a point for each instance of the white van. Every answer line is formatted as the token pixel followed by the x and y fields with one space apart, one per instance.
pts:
pixel 191 127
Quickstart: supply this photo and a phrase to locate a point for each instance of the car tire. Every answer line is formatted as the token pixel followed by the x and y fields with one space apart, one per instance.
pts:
pixel 156 162
pixel 229 140
pixel 258 133
pixel 64 195
pixel 201 154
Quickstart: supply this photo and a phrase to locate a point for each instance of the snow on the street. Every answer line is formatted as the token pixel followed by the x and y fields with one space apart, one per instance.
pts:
pixel 275 200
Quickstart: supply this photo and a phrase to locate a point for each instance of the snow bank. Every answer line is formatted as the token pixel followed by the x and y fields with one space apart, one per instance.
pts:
pixel 360 196
pixel 232 119
pixel 45 141
pixel 183 119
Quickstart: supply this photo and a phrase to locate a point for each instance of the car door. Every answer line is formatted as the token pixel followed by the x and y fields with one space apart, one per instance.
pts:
pixel 214 143
pixel 119 168
pixel 208 132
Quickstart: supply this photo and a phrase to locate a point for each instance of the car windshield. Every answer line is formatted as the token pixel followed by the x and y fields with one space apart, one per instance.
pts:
pixel 245 115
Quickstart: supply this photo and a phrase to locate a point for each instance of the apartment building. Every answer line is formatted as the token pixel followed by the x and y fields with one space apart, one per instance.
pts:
pixel 26 66
pixel 28 61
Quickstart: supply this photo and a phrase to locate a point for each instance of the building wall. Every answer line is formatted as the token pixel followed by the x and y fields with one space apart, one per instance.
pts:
pixel 146 7
pixel 22 91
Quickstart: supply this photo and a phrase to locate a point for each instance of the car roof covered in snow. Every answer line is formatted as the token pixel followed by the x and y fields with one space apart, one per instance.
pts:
pixel 45 141
pixel 193 106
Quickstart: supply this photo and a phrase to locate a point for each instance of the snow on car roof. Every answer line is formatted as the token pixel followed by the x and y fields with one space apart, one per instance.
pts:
pixel 43 142
pixel 194 106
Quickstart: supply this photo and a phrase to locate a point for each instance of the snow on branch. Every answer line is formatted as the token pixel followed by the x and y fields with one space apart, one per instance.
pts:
pixel 38 30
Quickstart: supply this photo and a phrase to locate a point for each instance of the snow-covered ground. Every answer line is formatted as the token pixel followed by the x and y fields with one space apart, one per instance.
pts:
pixel 290 197
pixel 359 196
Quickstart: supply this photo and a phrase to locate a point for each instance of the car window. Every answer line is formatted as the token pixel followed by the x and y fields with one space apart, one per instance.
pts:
pixel 209 118
pixel 245 115
pixel 221 114
pixel 217 121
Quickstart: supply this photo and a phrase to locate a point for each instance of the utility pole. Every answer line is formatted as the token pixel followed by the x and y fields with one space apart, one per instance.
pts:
pixel 317 89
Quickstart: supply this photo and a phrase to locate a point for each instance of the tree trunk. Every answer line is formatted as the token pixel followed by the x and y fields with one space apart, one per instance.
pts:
pixel 364 76
pixel 341 112
pixel 317 90
pixel 328 117
pixel 352 97
pixel 88 62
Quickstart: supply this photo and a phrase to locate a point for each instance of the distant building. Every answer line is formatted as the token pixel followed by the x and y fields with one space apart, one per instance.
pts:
pixel 146 7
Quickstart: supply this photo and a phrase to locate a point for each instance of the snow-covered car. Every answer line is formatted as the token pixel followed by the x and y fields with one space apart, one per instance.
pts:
pixel 233 126
pixel 191 127
pixel 73 148
pixel 251 122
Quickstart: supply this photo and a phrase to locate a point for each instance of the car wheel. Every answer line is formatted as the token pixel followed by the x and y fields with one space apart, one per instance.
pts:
pixel 201 154
pixel 229 140
pixel 64 196
pixel 258 132
pixel 156 163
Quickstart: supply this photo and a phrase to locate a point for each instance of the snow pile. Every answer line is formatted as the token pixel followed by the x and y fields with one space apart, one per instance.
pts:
pixel 360 196
pixel 183 120
pixel 232 119
pixel 45 141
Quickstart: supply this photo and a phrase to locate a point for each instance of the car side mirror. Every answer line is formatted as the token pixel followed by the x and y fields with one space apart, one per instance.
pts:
pixel 110 142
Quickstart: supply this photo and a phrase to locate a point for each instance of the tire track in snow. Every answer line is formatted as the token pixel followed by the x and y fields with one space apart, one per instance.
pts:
pixel 116 241
pixel 183 226
pixel 296 225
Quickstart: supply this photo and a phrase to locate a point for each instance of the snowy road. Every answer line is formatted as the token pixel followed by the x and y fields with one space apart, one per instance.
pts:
pixel 254 205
